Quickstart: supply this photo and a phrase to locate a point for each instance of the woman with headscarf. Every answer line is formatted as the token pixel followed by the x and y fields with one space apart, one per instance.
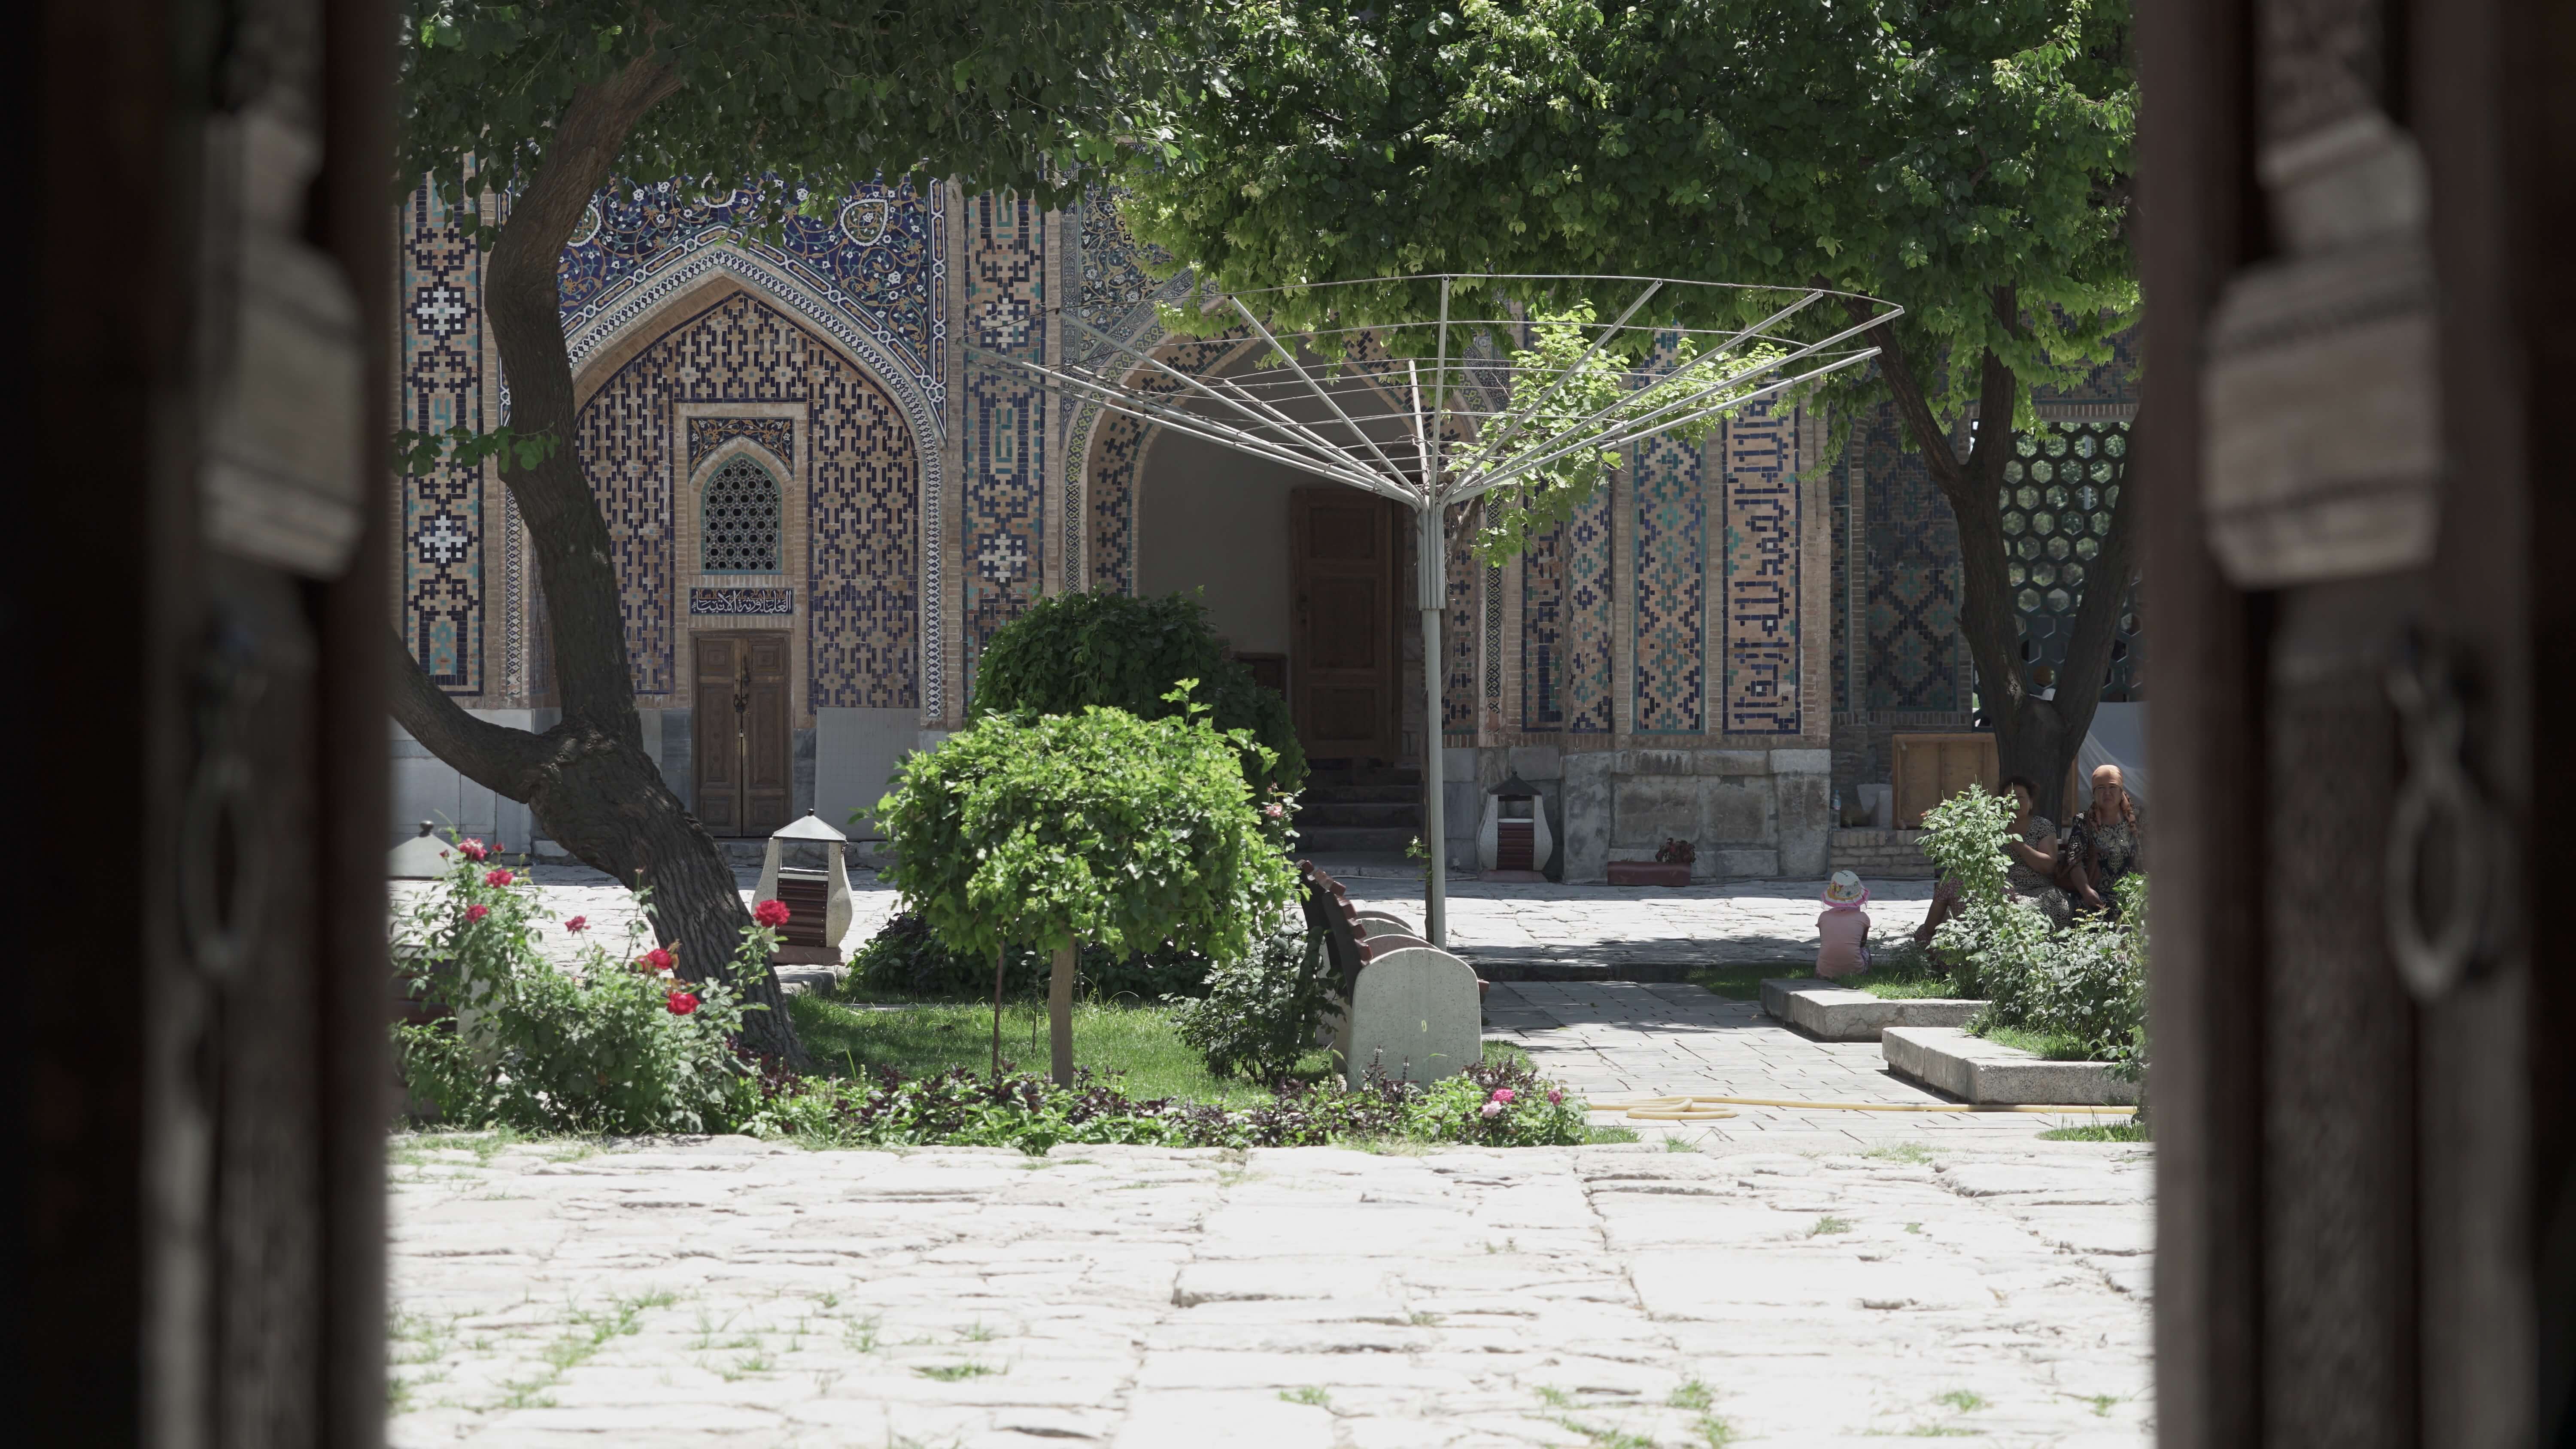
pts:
pixel 2105 844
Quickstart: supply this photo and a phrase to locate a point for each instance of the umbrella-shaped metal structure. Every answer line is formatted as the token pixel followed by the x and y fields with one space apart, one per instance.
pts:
pixel 1495 393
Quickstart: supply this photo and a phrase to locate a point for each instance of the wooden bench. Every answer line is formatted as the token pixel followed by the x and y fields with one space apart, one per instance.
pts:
pixel 1421 986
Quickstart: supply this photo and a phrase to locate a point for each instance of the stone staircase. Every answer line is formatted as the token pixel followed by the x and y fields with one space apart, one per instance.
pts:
pixel 1354 806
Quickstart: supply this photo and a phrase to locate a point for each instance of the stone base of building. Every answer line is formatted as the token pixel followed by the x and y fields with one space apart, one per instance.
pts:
pixel 1745 812
pixel 1880 854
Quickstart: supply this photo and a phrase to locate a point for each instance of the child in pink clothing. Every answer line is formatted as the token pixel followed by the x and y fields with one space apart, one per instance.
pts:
pixel 1844 928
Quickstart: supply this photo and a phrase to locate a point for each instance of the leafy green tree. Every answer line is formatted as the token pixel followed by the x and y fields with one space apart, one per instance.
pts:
pixel 1094 827
pixel 1969 161
pixel 797 102
pixel 1076 650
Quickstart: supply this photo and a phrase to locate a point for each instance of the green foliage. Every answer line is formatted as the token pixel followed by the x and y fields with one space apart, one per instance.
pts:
pixel 1558 382
pixel 1260 1014
pixel 1964 838
pixel 462 447
pixel 1082 649
pixel 959 1108
pixel 614 1044
pixel 822 95
pixel 1926 154
pixel 905 959
pixel 2086 985
pixel 1097 827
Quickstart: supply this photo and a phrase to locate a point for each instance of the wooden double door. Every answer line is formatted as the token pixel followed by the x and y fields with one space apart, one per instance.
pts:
pixel 742 761
pixel 1343 676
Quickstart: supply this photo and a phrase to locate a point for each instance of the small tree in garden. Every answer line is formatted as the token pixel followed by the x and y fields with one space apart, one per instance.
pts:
pixel 1054 830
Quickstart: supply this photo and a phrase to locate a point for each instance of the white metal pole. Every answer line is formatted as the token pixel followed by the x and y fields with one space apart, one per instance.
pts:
pixel 1433 577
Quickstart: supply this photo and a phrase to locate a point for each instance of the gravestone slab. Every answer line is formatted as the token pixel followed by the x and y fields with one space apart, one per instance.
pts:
pixel 1415 1014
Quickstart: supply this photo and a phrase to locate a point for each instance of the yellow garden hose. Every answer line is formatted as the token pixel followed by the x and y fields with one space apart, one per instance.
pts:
pixel 1711 1109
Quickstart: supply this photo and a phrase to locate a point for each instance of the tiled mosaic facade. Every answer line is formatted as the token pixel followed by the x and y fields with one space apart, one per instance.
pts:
pixel 1003 529
pixel 1568 630
pixel 777 435
pixel 1760 601
pixel 1670 633
pixel 443 374
pixel 862 490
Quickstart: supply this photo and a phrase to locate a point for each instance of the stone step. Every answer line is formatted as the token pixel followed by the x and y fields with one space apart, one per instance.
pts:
pixel 1381 814
pixel 1323 773
pixel 1833 1013
pixel 1344 838
pixel 1314 794
pixel 1976 1070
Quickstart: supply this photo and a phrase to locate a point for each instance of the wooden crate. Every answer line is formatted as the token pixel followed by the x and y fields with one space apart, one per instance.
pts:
pixel 1930 768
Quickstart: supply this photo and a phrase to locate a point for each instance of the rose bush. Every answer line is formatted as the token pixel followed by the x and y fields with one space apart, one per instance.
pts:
pixel 612 1043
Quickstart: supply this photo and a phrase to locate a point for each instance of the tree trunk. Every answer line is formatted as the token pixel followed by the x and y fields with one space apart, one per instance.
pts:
pixel 2035 738
pixel 997 1013
pixel 1060 1012
pixel 588 779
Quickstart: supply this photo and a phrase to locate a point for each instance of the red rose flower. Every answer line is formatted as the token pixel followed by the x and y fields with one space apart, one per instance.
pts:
pixel 656 959
pixel 476 913
pixel 683 1002
pixel 770 913
pixel 1504 1094
pixel 498 878
pixel 471 848
pixel 577 924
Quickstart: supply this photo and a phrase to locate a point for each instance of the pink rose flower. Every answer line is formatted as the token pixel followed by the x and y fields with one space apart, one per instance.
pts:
pixel 476 913
pixel 577 924
pixel 471 848
pixel 1504 1094
pixel 1492 1109
pixel 1556 1099
pixel 498 878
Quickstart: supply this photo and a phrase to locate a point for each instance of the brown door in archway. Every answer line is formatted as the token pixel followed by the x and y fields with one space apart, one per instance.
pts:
pixel 1342 664
pixel 739 742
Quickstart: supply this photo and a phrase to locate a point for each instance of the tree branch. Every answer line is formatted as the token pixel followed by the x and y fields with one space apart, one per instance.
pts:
pixel 1897 367
pixel 496 757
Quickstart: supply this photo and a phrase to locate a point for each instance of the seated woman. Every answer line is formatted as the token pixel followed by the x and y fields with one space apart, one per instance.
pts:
pixel 2106 844
pixel 2030 866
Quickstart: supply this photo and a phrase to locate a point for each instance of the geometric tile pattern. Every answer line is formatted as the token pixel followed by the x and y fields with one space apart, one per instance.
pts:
pixel 1671 590
pixel 1543 630
pixel 871 258
pixel 1916 660
pixel 724 602
pixel 1458 627
pixel 738 519
pixel 1759 595
pixel 1003 530
pixel 442 387
pixel 1589 636
pixel 862 495
pixel 2059 487
pixel 778 435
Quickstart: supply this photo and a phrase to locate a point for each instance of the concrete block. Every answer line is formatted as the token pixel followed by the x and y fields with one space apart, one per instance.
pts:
pixel 1535 762
pixel 1720 864
pixel 1803 822
pixel 1733 762
pixel 1802 762
pixel 1656 762
pixel 1653 808
pixel 1978 1070
pixel 1458 763
pixel 1738 813
pixel 1833 1013
pixel 1587 816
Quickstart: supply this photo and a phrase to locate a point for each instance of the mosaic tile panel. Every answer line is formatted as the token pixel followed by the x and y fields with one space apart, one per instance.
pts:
pixel 729 602
pixel 1838 494
pixel 442 387
pixel 1543 600
pixel 778 435
pixel 1003 529
pixel 1915 659
pixel 1589 635
pixel 1458 627
pixel 862 499
pixel 1118 292
pixel 874 259
pixel 1759 602
pixel 1671 562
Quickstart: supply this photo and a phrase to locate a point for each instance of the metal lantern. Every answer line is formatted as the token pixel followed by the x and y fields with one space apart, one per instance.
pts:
pixel 1513 838
pixel 802 869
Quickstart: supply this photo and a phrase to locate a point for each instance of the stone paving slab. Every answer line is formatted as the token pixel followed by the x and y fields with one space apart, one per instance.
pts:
pixel 725 1291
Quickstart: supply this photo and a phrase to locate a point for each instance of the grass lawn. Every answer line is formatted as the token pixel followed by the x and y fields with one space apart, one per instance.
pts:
pixel 1137 1043
pixel 2131 1131
pixel 2041 1044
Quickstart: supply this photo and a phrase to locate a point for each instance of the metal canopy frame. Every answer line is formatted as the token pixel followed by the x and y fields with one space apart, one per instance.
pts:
pixel 1319 404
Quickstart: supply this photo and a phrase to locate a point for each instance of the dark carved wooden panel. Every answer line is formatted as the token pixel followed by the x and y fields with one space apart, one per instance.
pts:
pixel 1342 657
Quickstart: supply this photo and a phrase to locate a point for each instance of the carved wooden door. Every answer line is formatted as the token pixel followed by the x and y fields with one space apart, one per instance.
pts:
pixel 740 752
pixel 1342 660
